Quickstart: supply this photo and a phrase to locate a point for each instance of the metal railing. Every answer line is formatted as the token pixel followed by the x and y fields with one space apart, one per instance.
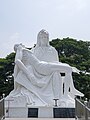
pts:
pixel 2 109
pixel 82 112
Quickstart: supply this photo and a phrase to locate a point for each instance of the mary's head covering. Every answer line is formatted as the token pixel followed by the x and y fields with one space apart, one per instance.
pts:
pixel 42 33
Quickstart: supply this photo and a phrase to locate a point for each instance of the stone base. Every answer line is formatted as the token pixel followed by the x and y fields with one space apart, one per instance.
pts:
pixel 17 108
pixel 16 112
pixel 39 112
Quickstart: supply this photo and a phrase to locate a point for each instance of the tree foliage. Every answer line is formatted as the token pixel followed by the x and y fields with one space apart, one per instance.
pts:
pixel 6 74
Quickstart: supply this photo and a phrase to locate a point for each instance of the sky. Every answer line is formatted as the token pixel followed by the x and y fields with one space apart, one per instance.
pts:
pixel 21 20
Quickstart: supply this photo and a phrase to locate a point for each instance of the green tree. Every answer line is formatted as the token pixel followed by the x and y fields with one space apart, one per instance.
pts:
pixel 6 74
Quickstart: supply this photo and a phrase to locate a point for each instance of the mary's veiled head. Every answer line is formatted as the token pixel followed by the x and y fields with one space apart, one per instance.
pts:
pixel 43 38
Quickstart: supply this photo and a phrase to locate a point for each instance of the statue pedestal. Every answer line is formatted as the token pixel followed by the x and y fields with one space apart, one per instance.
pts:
pixel 17 108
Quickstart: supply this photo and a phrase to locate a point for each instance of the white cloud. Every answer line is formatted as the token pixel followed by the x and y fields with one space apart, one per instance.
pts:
pixel 61 18
pixel 15 36
pixel 72 5
pixel 8 43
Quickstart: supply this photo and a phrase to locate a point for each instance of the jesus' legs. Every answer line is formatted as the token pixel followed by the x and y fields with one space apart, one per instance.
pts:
pixel 31 77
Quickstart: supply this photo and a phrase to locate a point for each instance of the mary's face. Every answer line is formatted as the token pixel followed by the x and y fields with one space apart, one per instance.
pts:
pixel 44 39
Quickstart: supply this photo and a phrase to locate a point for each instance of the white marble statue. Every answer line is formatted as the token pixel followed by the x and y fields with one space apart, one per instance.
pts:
pixel 44 52
pixel 37 74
